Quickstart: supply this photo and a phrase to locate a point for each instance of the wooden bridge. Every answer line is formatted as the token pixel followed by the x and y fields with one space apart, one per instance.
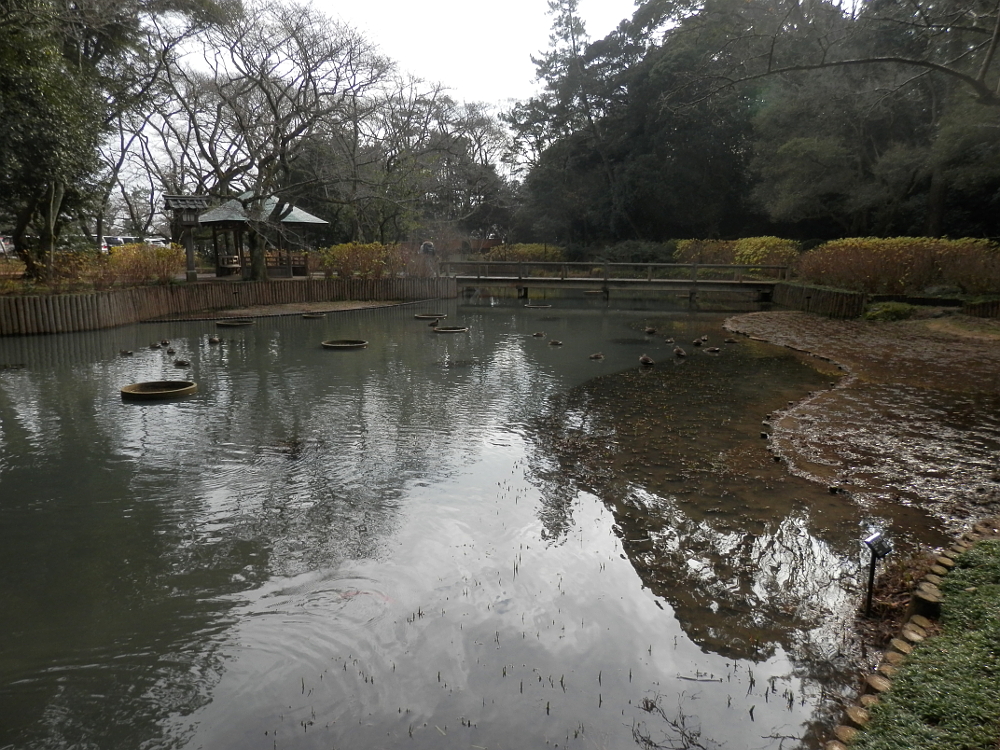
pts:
pixel 602 278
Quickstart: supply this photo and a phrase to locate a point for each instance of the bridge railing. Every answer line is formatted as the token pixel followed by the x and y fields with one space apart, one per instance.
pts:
pixel 692 272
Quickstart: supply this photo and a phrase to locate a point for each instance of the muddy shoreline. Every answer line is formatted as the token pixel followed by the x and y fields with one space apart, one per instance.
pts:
pixel 269 311
pixel 912 415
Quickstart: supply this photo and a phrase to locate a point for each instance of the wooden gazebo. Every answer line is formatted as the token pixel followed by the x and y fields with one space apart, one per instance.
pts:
pixel 230 224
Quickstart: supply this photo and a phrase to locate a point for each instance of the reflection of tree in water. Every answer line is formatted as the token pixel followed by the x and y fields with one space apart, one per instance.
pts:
pixel 742 552
pixel 92 567
pixel 675 731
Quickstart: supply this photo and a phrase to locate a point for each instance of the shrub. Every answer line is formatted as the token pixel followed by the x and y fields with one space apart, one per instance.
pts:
pixel 636 251
pixel 889 311
pixel 527 253
pixel 140 263
pixel 100 271
pixel 765 251
pixel 371 260
pixel 705 251
pixel 971 265
pixel 901 265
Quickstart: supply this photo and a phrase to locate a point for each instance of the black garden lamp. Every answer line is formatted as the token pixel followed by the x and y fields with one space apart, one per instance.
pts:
pixel 879 547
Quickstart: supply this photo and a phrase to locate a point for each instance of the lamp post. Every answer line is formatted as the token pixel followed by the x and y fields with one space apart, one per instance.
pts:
pixel 186 209
pixel 879 547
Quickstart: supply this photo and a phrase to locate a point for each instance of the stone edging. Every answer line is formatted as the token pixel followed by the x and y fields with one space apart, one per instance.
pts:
pixel 924 608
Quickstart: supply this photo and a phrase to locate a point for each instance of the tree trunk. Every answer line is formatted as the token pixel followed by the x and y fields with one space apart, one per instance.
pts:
pixel 51 207
pixel 936 203
pixel 258 266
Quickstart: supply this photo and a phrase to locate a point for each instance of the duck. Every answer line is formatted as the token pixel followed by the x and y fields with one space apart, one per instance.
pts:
pixel 181 363
pixel 164 342
pixel 650 331
pixel 555 342
pixel 597 355
pixel 538 334
pixel 125 352
pixel 668 341
pixel 730 341
pixel 646 361
pixel 696 342
pixel 678 352
pixel 704 338
pixel 214 340
pixel 712 349
pixel 154 345
pixel 171 350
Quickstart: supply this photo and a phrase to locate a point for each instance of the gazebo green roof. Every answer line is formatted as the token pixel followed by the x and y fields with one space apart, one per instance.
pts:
pixel 232 211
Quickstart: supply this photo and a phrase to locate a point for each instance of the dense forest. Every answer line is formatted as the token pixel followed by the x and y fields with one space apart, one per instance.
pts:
pixel 734 117
pixel 713 119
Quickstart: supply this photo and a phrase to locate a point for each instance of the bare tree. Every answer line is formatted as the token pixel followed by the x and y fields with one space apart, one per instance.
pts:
pixel 239 115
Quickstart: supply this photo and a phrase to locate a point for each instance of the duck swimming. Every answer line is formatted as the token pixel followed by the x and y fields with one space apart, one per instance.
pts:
pixel 597 355
pixel 646 361
pixel 679 352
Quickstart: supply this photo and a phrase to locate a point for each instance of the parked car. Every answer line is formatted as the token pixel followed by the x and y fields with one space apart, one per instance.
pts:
pixel 111 241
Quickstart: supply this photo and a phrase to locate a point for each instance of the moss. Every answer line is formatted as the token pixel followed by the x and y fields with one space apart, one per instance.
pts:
pixel 889 311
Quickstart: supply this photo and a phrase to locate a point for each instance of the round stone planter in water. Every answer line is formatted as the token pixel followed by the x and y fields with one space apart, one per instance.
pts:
pixel 345 344
pixel 158 389
pixel 430 316
pixel 450 329
pixel 234 322
pixel 313 316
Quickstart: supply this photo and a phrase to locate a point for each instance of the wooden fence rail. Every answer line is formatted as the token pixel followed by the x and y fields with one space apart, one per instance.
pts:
pixel 830 302
pixel 65 313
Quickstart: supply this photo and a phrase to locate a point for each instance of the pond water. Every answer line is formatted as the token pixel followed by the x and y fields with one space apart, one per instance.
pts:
pixel 469 540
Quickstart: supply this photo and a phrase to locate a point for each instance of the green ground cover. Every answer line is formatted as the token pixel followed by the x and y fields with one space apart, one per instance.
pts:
pixel 947 696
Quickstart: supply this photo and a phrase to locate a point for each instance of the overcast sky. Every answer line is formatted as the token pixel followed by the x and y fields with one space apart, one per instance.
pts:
pixel 480 50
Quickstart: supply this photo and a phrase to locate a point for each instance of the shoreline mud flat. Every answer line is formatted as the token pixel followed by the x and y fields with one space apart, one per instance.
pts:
pixel 270 311
pixel 912 416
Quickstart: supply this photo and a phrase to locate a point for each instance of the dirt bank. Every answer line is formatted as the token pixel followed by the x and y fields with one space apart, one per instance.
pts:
pixel 912 415
pixel 295 308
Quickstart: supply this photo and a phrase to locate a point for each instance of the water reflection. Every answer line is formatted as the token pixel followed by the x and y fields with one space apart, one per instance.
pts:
pixel 435 541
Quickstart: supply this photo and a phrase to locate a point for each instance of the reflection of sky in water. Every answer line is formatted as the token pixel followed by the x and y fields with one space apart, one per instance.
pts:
pixel 387 548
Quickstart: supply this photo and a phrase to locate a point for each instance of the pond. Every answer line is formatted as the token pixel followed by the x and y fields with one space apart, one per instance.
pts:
pixel 478 539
